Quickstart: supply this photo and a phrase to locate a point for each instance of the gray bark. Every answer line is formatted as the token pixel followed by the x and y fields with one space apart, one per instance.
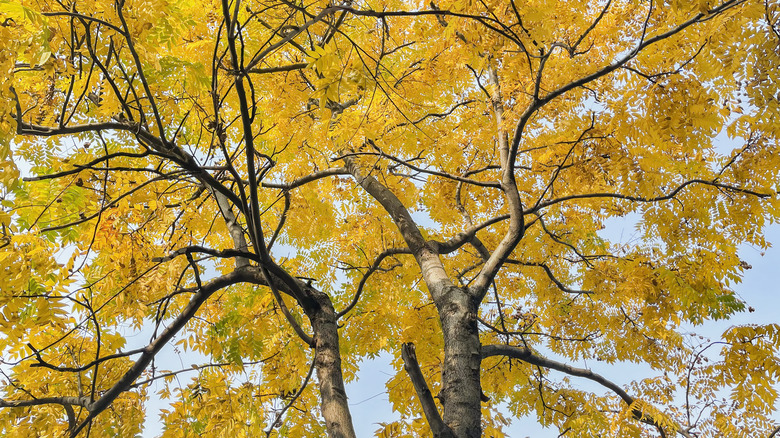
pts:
pixel 457 308
pixel 461 387
pixel 327 362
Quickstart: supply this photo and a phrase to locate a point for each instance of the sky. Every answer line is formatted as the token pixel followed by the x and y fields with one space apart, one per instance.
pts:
pixel 368 397
pixel 759 289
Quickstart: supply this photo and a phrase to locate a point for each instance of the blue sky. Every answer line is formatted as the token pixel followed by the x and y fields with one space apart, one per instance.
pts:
pixel 368 397
pixel 369 403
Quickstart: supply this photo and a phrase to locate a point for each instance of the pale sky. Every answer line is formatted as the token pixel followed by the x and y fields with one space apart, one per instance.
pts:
pixel 368 398
pixel 369 403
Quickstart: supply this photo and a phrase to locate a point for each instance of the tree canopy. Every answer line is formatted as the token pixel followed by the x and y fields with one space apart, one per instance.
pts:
pixel 287 188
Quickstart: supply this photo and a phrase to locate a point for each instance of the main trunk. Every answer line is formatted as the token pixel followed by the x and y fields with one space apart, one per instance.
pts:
pixel 461 391
pixel 327 362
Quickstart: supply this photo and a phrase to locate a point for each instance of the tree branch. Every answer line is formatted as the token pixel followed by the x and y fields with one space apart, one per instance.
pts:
pixel 43 364
pixel 514 203
pixel 286 312
pixel 151 350
pixel 64 401
pixel 374 267
pixel 281 68
pixel 668 196
pixel 307 179
pixel 438 427
pixel 235 230
pixel 528 356
pixel 406 163
pixel 225 253
pixel 465 237
pixel 253 213
pixel 427 258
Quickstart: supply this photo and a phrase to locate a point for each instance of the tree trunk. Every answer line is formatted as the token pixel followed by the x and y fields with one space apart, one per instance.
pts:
pixel 327 362
pixel 461 388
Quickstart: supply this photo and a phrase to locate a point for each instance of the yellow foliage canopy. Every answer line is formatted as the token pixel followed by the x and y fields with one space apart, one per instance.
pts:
pixel 283 189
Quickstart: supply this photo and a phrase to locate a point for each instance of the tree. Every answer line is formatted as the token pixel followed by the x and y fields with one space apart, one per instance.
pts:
pixel 287 188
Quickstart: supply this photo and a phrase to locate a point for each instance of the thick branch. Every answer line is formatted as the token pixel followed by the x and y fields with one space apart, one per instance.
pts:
pixel 281 68
pixel 64 401
pixel 514 204
pixel 235 230
pixel 439 429
pixel 253 215
pixel 226 253
pixel 427 258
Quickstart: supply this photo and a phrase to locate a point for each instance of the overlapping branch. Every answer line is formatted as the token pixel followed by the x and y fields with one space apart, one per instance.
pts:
pixel 412 367
pixel 151 350
pixel 526 355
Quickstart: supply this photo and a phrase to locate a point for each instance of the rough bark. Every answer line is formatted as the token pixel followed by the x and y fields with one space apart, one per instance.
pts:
pixel 325 341
pixel 461 388
pixel 327 363
pixel 457 307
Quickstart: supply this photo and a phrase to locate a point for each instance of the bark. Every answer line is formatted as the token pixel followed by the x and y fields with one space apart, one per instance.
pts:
pixel 461 388
pixel 439 429
pixel 327 356
pixel 457 307
pixel 327 362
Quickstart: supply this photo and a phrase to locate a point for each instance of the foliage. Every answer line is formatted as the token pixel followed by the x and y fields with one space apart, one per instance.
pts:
pixel 283 189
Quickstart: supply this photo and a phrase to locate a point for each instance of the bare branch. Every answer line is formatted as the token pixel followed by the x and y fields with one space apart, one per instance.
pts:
pixel 292 401
pixel 552 277
pixel 307 179
pixel 438 427
pixel 286 312
pixel 151 350
pixel 465 237
pixel 43 364
pixel 668 196
pixel 374 267
pixel 528 356
pixel 406 163
pixel 281 68
pixel 85 18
